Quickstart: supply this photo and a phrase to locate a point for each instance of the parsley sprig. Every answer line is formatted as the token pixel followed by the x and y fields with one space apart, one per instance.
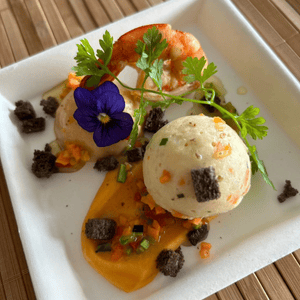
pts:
pixel 195 69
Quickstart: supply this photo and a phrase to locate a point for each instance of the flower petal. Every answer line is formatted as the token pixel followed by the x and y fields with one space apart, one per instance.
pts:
pixel 107 86
pixel 85 100
pixel 87 122
pixel 111 103
pixel 114 131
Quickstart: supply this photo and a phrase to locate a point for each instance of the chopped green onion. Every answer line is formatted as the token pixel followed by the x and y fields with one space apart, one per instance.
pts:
pixel 163 142
pixel 122 174
pixel 55 148
pixel 197 226
pixel 126 239
pixel 151 240
pixel 145 243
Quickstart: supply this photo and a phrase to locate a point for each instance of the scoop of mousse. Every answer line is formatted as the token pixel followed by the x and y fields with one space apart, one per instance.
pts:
pixel 67 129
pixel 197 166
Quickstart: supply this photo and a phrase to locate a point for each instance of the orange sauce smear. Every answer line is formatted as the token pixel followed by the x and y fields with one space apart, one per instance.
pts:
pixel 118 201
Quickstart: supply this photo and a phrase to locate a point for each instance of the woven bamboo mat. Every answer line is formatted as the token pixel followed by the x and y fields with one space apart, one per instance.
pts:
pixel 31 26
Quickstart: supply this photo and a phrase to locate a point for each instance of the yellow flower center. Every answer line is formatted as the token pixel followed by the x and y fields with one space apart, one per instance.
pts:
pixel 104 118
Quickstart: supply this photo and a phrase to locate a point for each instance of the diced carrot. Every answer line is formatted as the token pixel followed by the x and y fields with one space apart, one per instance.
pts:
pixel 149 201
pixel 117 252
pixel 206 245
pixel 204 251
pixel 153 232
pixel 196 221
pixel 74 81
pixel 155 224
pixel 165 177
pixel 62 159
pixel 159 210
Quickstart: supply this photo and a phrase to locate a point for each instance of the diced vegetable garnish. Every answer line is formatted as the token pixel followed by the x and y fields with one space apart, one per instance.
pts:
pixel 145 243
pixel 163 142
pixel 103 247
pixel 122 174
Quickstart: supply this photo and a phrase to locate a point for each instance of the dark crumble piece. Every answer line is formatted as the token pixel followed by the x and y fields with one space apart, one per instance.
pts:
pixel 154 120
pixel 108 163
pixel 170 262
pixel 198 235
pixel 102 229
pixel 180 195
pixel 210 108
pixel 135 154
pixel 104 247
pixel 138 228
pixel 47 148
pixel 205 184
pixel 50 106
pixel 33 125
pixel 288 191
pixel 43 164
pixel 24 110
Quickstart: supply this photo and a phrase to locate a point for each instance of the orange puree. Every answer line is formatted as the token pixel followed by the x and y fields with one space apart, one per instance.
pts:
pixel 118 201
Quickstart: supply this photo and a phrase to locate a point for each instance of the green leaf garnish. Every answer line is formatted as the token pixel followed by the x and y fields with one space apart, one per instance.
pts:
pixel 149 49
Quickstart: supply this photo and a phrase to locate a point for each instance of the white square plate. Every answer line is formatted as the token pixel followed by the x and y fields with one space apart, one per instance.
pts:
pixel 50 212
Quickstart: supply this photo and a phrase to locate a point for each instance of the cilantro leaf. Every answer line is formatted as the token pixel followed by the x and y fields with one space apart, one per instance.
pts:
pixel 194 69
pixel 252 125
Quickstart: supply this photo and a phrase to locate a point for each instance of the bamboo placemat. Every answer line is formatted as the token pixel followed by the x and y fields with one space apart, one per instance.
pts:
pixel 31 26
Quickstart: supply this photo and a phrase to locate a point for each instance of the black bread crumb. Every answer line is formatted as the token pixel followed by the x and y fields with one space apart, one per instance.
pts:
pixel 24 110
pixel 108 163
pixel 33 125
pixel 135 154
pixel 154 120
pixel 50 105
pixel 170 262
pixel 102 229
pixel 198 235
pixel 205 184
pixel 288 191
pixel 43 164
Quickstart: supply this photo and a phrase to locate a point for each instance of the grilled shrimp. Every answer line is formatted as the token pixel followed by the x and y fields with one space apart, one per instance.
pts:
pixel 180 46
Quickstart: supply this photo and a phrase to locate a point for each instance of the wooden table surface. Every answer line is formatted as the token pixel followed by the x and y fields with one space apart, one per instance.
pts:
pixel 31 26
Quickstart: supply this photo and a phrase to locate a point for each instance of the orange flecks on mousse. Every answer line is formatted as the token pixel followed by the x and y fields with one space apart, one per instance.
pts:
pixel 221 151
pixel 220 124
pixel 165 177
pixel 233 198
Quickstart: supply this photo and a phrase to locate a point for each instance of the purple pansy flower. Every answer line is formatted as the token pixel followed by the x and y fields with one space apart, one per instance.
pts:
pixel 101 111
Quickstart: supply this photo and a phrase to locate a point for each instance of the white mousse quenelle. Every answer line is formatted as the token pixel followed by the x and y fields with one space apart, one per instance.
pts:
pixel 197 166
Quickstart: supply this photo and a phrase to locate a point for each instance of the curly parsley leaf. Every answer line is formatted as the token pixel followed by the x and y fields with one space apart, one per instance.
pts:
pixel 88 63
pixel 251 124
pixel 258 165
pixel 194 69
pixel 150 49
pixel 107 48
